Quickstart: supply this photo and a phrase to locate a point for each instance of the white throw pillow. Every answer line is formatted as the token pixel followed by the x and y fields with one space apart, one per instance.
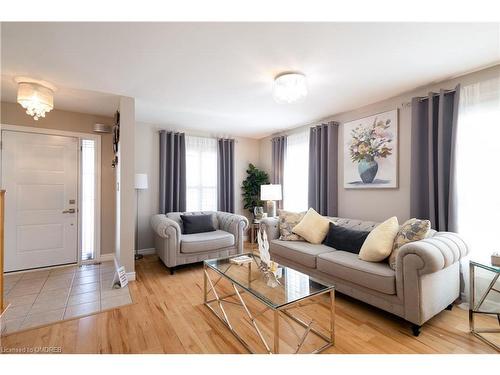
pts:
pixel 313 227
pixel 378 244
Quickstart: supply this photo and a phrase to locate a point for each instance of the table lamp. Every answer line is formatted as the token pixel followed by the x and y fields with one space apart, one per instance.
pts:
pixel 270 193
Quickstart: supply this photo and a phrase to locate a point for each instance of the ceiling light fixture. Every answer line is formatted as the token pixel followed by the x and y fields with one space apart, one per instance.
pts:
pixel 289 87
pixel 37 97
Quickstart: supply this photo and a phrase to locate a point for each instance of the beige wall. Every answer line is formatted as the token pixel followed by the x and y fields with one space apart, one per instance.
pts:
pixel 147 161
pixel 125 196
pixel 13 114
pixel 380 204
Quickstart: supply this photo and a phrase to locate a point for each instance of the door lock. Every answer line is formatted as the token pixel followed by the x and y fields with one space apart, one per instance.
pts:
pixel 69 211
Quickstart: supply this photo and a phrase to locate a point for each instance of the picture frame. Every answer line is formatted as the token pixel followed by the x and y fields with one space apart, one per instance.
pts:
pixel 370 150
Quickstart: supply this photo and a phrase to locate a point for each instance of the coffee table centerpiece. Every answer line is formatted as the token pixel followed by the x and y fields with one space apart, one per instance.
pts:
pixel 228 281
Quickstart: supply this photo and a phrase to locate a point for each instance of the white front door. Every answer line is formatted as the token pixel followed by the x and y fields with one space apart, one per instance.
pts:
pixel 40 176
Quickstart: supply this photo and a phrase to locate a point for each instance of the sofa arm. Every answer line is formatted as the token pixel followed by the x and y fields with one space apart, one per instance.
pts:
pixel 428 275
pixel 271 226
pixel 235 224
pixel 167 239
pixel 165 227
pixel 433 253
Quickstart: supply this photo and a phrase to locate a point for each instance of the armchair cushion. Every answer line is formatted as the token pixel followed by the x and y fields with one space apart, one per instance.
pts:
pixel 197 224
pixel 207 241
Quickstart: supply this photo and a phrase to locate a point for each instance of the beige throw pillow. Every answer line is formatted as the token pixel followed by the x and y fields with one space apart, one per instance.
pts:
pixel 288 220
pixel 378 244
pixel 411 230
pixel 313 227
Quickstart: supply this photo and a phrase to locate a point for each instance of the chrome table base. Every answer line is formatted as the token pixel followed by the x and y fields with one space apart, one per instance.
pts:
pixel 279 314
pixel 475 308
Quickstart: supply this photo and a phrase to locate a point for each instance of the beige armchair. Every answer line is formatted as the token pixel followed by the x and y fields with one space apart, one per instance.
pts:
pixel 175 248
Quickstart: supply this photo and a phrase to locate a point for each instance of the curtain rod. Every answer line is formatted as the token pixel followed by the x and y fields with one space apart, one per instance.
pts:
pixel 286 133
pixel 422 98
pixel 197 136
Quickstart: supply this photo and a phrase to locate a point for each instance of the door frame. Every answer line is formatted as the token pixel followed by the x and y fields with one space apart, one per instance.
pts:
pixel 80 136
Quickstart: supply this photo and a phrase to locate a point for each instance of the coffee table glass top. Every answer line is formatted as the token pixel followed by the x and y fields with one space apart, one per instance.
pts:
pixel 485 263
pixel 293 285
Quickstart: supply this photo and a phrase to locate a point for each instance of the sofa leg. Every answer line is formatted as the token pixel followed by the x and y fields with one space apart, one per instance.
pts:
pixel 415 328
pixel 449 307
pixel 172 270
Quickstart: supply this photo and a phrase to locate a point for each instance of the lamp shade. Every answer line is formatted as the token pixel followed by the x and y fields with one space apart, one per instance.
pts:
pixel 37 97
pixel 271 192
pixel 141 181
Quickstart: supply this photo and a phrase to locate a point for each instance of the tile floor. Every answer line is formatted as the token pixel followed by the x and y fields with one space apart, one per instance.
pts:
pixel 41 297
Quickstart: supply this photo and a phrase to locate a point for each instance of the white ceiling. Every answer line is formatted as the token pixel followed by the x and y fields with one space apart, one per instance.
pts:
pixel 217 77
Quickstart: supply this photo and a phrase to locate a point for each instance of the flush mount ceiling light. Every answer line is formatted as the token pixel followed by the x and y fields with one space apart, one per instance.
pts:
pixel 37 97
pixel 289 87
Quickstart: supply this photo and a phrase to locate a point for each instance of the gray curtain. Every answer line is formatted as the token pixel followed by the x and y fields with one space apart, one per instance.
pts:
pixel 323 164
pixel 433 139
pixel 225 175
pixel 278 160
pixel 172 172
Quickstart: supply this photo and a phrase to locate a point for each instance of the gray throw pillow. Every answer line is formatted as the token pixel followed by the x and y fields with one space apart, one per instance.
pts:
pixel 197 224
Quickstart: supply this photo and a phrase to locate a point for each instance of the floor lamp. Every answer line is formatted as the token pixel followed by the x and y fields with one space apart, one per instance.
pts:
pixel 141 183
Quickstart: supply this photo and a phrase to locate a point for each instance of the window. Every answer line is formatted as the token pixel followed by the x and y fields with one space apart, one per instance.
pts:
pixel 201 174
pixel 477 177
pixel 296 174
pixel 88 199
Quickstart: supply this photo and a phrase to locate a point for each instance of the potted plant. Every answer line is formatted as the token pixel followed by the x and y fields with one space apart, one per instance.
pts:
pixel 251 187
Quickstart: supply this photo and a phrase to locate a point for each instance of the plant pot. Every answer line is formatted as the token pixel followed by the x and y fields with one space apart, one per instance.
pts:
pixel 367 170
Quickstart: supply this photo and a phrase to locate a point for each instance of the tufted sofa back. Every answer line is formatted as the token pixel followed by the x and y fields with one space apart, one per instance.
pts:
pixel 354 223
pixel 364 225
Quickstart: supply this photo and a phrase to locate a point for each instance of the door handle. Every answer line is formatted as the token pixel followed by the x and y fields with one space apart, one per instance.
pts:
pixel 69 211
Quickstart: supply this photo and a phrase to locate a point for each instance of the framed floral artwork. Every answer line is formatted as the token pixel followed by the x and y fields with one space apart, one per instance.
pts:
pixel 371 152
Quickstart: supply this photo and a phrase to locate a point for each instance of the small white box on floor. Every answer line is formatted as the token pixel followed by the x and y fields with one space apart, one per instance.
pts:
pixel 120 279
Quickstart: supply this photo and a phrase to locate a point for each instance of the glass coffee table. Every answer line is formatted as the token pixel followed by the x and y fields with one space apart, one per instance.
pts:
pixel 291 292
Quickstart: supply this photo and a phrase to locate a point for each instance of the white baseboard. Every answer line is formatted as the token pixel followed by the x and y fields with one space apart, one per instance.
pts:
pixel 107 257
pixel 131 276
pixel 148 251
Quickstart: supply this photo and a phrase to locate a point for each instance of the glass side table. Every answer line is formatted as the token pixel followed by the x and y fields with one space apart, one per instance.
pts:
pixel 479 306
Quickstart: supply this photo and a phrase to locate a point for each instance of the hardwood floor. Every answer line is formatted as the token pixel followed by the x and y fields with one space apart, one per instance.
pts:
pixel 168 316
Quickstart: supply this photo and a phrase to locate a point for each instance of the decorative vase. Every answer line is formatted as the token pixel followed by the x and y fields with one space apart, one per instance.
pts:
pixel 258 212
pixel 367 170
